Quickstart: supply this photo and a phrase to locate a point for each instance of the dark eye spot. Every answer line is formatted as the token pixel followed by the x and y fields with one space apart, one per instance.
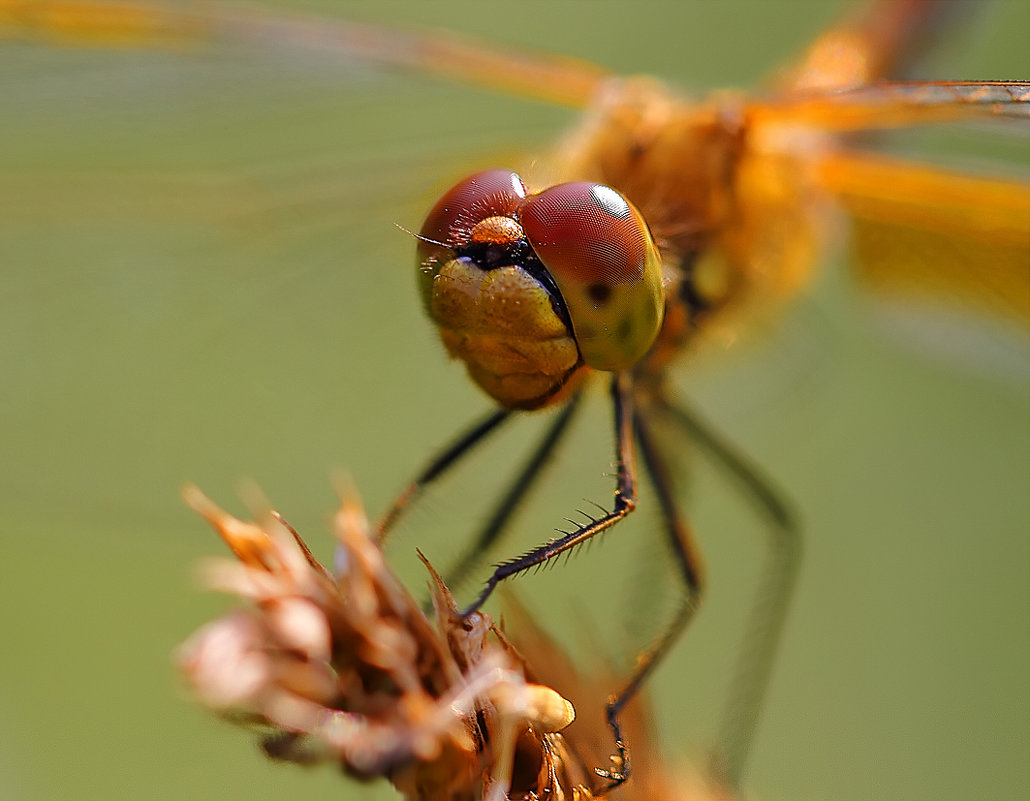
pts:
pixel 599 293
pixel 624 330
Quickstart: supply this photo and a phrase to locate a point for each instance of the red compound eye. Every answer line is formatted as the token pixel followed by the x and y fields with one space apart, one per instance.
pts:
pixel 493 196
pixel 589 232
pixel 491 193
pixel 599 251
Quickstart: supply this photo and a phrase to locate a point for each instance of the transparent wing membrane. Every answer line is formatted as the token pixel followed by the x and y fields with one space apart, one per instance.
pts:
pixel 545 77
pixel 894 105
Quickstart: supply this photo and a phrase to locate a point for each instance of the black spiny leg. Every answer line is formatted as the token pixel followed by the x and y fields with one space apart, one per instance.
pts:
pixel 438 466
pixel 624 503
pixel 688 560
pixel 517 492
pixel 772 598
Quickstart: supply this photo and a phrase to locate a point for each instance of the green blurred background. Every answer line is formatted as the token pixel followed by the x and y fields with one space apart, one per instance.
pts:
pixel 202 281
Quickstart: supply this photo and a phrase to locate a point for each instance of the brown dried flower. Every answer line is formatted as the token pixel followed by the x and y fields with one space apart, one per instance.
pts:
pixel 347 668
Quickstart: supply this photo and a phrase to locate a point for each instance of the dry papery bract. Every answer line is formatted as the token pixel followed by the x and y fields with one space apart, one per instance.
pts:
pixel 343 666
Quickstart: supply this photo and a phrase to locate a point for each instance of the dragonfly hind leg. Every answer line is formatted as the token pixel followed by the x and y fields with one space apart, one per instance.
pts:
pixel 768 615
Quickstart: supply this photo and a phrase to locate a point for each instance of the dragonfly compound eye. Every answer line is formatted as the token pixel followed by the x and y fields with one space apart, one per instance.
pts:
pixel 598 250
pixel 449 225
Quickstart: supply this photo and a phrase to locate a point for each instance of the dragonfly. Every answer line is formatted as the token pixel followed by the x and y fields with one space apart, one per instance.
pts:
pixel 678 216
pixel 739 242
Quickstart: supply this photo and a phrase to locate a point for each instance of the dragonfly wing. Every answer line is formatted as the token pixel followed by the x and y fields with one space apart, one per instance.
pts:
pixel 877 41
pixel 937 237
pixel 894 105
pixel 546 77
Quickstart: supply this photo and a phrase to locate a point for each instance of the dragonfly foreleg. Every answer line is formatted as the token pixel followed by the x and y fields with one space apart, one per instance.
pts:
pixel 517 492
pixel 624 502
pixel 438 466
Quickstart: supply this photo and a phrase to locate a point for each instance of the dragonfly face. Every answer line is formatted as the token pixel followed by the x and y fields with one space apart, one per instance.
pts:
pixel 531 290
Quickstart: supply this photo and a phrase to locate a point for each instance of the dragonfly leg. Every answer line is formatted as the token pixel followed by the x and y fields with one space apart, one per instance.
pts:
pixel 516 494
pixel 438 466
pixel 688 560
pixel 624 502
pixel 772 598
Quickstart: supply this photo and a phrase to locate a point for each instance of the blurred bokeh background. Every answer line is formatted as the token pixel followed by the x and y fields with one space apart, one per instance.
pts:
pixel 202 281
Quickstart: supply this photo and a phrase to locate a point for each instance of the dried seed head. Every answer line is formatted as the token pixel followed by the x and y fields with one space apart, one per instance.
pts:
pixel 347 668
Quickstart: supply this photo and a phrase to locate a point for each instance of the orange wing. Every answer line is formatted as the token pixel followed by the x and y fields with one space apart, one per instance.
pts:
pixel 875 41
pixel 929 212
pixel 543 76
pixel 929 234
pixel 920 231
pixel 894 105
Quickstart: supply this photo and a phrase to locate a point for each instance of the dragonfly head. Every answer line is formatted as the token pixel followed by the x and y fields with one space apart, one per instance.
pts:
pixel 527 289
